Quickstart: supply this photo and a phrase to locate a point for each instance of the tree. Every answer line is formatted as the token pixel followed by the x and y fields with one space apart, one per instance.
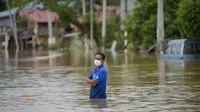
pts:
pixel 188 19
pixel 96 27
pixel 17 4
pixel 70 12
pixel 22 22
pixel 3 5
pixel 109 2
pixel 141 22
pixel 113 29
pixel 67 10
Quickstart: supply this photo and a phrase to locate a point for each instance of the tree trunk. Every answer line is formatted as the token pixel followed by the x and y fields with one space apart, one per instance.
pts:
pixel 12 26
pixel 15 32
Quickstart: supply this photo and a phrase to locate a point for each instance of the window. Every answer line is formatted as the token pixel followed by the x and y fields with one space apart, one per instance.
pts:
pixel 192 48
pixel 173 49
pixel 198 48
pixel 178 48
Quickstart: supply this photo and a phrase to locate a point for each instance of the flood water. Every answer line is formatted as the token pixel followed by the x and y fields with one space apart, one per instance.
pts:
pixel 36 82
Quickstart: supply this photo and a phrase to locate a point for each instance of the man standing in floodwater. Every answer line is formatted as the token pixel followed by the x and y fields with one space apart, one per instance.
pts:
pixel 98 78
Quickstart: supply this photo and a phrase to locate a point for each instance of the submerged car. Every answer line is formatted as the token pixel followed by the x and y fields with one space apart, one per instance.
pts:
pixel 182 49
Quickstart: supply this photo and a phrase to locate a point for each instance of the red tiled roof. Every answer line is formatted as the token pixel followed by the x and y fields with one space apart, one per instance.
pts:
pixel 40 16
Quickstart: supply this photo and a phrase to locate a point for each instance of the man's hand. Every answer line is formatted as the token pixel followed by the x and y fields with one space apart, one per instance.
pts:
pixel 91 82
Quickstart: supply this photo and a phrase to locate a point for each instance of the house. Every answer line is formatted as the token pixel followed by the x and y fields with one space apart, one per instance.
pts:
pixel 34 15
pixel 37 23
pixel 5 24
pixel 38 19
pixel 4 17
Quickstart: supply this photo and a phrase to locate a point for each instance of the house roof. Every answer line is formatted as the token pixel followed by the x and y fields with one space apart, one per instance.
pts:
pixel 109 10
pixel 6 13
pixel 40 16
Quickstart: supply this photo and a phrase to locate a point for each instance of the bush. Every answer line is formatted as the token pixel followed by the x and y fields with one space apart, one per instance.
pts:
pixel 22 22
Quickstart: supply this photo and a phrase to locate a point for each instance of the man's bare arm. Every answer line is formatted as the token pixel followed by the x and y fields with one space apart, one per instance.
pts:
pixel 91 82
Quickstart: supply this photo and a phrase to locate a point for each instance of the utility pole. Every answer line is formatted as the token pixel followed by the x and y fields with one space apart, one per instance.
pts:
pixel 12 26
pixel 122 13
pixel 104 22
pixel 19 41
pixel 35 22
pixel 91 21
pixel 51 39
pixel 160 26
pixel 83 7
pixel 126 6
pixel 86 45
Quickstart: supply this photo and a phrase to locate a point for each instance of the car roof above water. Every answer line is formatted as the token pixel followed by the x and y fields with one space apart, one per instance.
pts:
pixel 183 41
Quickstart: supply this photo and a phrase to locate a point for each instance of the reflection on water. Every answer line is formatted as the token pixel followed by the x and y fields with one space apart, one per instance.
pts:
pixel 98 103
pixel 56 83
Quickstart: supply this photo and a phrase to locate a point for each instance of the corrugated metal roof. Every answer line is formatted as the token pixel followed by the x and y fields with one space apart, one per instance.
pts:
pixel 6 13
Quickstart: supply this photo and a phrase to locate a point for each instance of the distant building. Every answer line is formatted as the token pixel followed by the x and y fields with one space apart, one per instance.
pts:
pixel 37 15
pixel 5 24
pixel 37 23
pixel 38 19
pixel 4 17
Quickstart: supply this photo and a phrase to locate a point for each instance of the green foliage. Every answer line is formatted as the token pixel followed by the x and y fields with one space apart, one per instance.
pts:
pixel 19 3
pixel 69 14
pixel 188 19
pixel 141 23
pixel 171 28
pixel 68 11
pixel 112 29
pixel 96 28
pixel 3 5
pixel 130 47
pixel 109 2
pixel 22 22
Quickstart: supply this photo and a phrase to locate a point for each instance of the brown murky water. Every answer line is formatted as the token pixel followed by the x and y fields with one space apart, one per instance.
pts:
pixel 137 83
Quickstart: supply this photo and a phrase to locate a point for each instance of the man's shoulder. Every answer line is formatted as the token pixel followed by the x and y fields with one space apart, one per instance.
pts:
pixel 103 69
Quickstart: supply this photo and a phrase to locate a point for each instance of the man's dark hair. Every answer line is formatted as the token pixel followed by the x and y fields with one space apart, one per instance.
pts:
pixel 102 55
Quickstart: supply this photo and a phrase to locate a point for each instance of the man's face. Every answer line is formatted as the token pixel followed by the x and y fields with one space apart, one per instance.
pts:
pixel 99 57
